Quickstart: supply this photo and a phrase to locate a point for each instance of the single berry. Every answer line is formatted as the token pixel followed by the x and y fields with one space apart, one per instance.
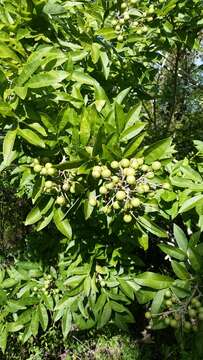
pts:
pixel 135 202
pixel 96 168
pixel 96 174
pixel 167 320
pixel 148 315
pixel 146 188
pixel 66 186
pixel 140 189
pixel 127 218
pixel 51 171
pixel 116 205
pixel 106 209
pixel 115 179
pixel 129 171
pixel 200 316
pixel 115 164
pixel 151 9
pixel 169 303
pixel 103 190
pixel 110 185
pixel 174 323
pixel 197 304
pixel 134 164
pixel 60 200
pixel 120 195
pixel 187 325
pixel 194 328
pixel 48 184
pixel 145 168
pixel 131 179
pixel 37 168
pixel 123 5
pixel 192 313
pixel 156 165
pixel 167 294
pixel 93 201
pixel 106 173
pixel 126 16
pixel 125 163
pixel 150 175
pixel 140 161
pixel 48 165
pixel 43 171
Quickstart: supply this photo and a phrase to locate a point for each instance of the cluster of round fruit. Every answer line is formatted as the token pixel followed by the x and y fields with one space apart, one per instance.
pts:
pixel 185 315
pixel 67 186
pixel 46 170
pixel 123 19
pixel 124 185
pixel 64 181
pixel 43 287
pixel 126 17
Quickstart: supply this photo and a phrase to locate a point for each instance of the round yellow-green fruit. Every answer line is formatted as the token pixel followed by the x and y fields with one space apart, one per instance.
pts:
pixel 127 218
pixel 103 190
pixel 174 323
pixel 37 168
pixel 145 168
pixel 48 165
pixel 120 195
pixel 93 201
pixel 156 165
pixel 116 205
pixel 106 173
pixel 60 200
pixel 110 185
pixel 43 171
pixel 150 175
pixel 135 202
pixel 129 171
pixel 125 163
pixel 96 174
pixel 66 186
pixel 148 315
pixel 51 171
pixel 131 179
pixel 96 168
pixel 48 184
pixel 115 164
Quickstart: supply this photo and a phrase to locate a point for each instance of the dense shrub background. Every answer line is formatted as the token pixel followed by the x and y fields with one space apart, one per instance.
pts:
pixel 101 179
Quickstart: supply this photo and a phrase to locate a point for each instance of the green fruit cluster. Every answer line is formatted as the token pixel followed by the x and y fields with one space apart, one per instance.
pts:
pixel 43 286
pixel 60 184
pixel 122 21
pixel 124 186
pixel 185 315
pixel 126 18
pixel 46 170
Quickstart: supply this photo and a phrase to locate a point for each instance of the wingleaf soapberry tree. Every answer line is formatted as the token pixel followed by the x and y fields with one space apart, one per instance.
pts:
pixel 78 85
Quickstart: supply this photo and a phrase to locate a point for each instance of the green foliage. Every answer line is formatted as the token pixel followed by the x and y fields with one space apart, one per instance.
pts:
pixel 78 81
